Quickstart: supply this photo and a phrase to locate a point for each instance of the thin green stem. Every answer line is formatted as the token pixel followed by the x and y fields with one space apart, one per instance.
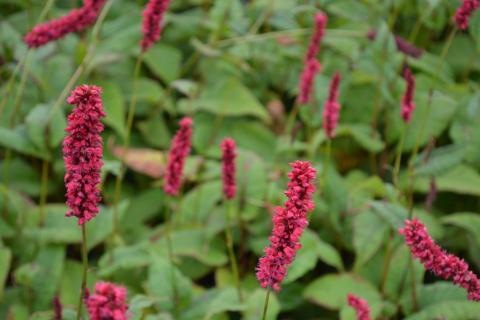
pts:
pixel 448 44
pixel 386 262
pixel 20 90
pixel 290 124
pixel 126 142
pixel 85 62
pixel 233 260
pixel 84 274
pixel 398 158
pixel 414 283
pixel 43 191
pixel 171 256
pixel 265 306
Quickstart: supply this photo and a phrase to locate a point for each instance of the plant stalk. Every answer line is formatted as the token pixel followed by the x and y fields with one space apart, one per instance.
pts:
pixel 231 253
pixel 265 306
pixel 84 274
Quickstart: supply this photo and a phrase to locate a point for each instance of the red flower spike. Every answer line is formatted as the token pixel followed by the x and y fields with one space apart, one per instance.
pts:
pixel 179 151
pixel 402 45
pixel 360 305
pixel 464 12
pixel 311 65
pixel 434 258
pixel 82 153
pixel 331 110
pixel 152 22
pixel 228 167
pixel 288 226
pixel 75 21
pixel 408 105
pixel 108 302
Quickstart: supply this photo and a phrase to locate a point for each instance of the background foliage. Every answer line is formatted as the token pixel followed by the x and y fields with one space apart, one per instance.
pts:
pixel 234 67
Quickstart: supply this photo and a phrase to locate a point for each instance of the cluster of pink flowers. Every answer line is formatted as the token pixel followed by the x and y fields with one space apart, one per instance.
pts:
pixel 435 259
pixel 402 45
pixel 108 302
pixel 228 167
pixel 311 65
pixel 408 105
pixel 152 22
pixel 75 21
pixel 288 226
pixel 360 305
pixel 179 151
pixel 331 110
pixel 462 16
pixel 83 151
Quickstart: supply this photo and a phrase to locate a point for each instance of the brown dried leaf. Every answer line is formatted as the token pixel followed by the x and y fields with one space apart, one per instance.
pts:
pixel 150 162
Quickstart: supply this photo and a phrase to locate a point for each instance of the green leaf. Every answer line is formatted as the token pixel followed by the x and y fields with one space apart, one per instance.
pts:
pixel 101 227
pixel 149 91
pixel 369 231
pixel 436 293
pixel 37 122
pixel 462 179
pixel 363 135
pixel 124 258
pixel 160 284
pixel 230 97
pixel 328 254
pixel 213 302
pixel 164 61
pixel 440 160
pixel 16 139
pixel 5 259
pixel 113 102
pixel 468 221
pixel 394 214
pixel 330 291
pixel 458 310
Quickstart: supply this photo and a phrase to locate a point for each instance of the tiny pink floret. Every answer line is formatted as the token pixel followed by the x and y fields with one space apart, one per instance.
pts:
pixel 464 12
pixel 361 307
pixel 152 22
pixel 331 110
pixel 408 105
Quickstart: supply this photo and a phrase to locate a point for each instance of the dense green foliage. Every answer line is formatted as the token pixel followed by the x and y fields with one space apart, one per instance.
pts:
pixel 233 66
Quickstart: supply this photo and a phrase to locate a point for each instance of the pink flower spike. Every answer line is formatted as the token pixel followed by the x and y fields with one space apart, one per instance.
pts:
pixel 179 151
pixel 75 21
pixel 82 153
pixel 464 12
pixel 402 45
pixel 108 302
pixel 314 46
pixel 229 154
pixel 307 80
pixel 434 258
pixel 152 22
pixel 331 110
pixel 408 105
pixel 360 305
pixel 288 226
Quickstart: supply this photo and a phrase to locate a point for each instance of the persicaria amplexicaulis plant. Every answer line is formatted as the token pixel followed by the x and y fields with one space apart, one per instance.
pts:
pixel 179 151
pixel 408 105
pixel 464 12
pixel 361 307
pixel 75 21
pixel 434 258
pixel 108 302
pixel 229 153
pixel 331 111
pixel 288 226
pixel 83 152
pixel 311 65
pixel 152 22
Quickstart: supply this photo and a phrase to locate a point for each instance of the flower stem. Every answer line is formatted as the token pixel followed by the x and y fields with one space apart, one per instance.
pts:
pixel 290 124
pixel 448 44
pixel 171 257
pixel 398 158
pixel 386 262
pixel 43 191
pixel 126 142
pixel 85 62
pixel 231 253
pixel 85 268
pixel 265 306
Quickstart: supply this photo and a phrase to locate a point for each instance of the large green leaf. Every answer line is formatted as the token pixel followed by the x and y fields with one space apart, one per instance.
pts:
pixel 255 304
pixel 113 102
pixel 164 61
pixel 458 310
pixel 462 179
pixel 467 221
pixel 369 231
pixel 229 97
pixel 330 291
pixel 17 139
